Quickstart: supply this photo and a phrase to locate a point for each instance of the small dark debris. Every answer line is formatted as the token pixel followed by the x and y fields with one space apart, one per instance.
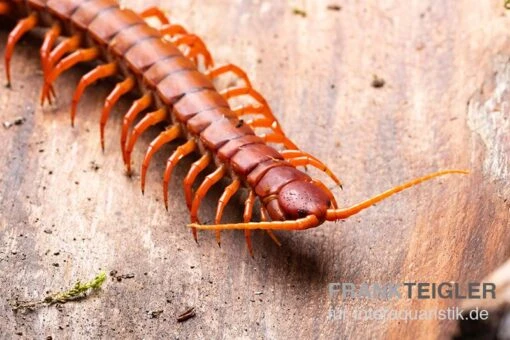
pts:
pixel 57 253
pixel 334 8
pixel 41 150
pixel 50 172
pixel 188 314
pixel 378 82
pixel 115 276
pixel 55 264
pixel 94 166
pixel 240 123
pixel 299 12
pixel 17 121
pixel 154 314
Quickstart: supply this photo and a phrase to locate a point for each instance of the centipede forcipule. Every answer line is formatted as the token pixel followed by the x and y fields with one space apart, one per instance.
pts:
pixel 176 94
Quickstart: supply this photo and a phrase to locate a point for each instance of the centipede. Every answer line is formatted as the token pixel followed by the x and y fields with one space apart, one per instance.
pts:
pixel 174 77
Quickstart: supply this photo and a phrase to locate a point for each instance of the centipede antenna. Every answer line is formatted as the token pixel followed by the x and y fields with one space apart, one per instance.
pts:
pixel 338 214
pixel 309 221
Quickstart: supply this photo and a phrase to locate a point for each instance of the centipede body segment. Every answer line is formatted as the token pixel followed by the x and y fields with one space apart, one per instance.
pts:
pixel 174 71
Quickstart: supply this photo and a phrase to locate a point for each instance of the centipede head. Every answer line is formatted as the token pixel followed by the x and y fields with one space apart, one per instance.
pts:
pixel 297 200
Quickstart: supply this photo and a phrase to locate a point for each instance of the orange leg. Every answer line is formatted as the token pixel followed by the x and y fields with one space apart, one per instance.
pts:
pixel 222 203
pixel 218 71
pixel 120 89
pixel 264 216
pixel 178 154
pixel 250 110
pixel 101 71
pixel 253 94
pixel 138 106
pixel 248 212
pixel 149 120
pixel 202 190
pixel 155 12
pixel 23 26
pixel 164 137
pixel 278 138
pixel 49 41
pixel 300 158
pixel 68 62
pixel 197 47
pixel 196 168
pixel 66 46
pixel 172 30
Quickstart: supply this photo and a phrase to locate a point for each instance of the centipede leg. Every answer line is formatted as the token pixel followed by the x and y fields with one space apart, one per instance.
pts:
pixel 250 110
pixel 149 120
pixel 49 41
pixel 277 136
pixel 163 138
pixel 197 47
pixel 101 71
pixel 23 26
pixel 138 106
pixel 218 71
pixel 66 46
pixel 178 154
pixel 195 169
pixel 172 30
pixel 300 158
pixel 248 212
pixel 155 12
pixel 68 62
pixel 202 190
pixel 120 89
pixel 229 191
pixel 264 216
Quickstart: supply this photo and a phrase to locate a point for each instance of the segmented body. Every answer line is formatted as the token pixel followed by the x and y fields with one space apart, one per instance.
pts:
pixel 176 94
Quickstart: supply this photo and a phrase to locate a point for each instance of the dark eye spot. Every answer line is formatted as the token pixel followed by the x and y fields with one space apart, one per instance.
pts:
pixel 302 213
